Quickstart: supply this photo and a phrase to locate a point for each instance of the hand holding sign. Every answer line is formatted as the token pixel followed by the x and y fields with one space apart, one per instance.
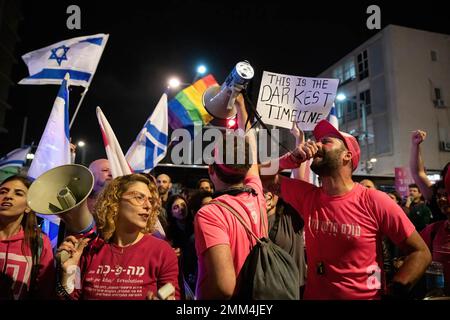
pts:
pixel 284 99
pixel 298 133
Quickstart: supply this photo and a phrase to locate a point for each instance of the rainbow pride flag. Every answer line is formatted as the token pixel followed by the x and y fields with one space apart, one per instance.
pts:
pixel 186 108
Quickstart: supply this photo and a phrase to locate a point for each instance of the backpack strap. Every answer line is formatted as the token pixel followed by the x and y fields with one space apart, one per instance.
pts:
pixel 238 216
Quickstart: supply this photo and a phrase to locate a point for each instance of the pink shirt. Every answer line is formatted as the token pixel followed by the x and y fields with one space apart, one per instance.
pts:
pixel 343 235
pixel 439 245
pixel 17 265
pixel 110 272
pixel 215 225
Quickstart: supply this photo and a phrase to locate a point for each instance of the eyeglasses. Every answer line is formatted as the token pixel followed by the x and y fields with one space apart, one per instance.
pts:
pixel 138 199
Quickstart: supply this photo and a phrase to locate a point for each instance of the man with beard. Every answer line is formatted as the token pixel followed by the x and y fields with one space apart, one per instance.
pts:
pixel 164 184
pixel 345 222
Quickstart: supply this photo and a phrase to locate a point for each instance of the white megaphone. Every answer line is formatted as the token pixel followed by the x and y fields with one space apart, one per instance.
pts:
pixel 219 100
pixel 63 191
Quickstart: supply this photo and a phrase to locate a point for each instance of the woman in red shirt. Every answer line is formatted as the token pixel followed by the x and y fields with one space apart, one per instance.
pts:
pixel 125 261
pixel 26 257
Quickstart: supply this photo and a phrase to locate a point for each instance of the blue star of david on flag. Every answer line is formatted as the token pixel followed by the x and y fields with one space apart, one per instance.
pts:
pixel 79 57
pixel 60 58
pixel 150 146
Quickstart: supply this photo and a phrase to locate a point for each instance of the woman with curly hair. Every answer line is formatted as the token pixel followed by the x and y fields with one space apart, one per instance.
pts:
pixel 125 261
pixel 26 257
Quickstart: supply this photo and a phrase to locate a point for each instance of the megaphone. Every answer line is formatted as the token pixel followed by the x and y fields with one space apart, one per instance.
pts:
pixel 219 100
pixel 63 191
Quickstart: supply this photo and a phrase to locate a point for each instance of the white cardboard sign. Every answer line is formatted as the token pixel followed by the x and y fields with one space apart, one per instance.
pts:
pixel 285 99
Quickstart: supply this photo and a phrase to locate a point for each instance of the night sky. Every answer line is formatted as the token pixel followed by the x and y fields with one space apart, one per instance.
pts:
pixel 150 42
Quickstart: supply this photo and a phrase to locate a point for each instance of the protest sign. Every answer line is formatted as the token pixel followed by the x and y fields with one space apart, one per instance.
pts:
pixel 284 99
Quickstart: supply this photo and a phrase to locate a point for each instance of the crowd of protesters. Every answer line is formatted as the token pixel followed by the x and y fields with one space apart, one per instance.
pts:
pixel 340 234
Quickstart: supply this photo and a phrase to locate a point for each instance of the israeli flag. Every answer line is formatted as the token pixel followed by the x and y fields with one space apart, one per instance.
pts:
pixel 77 56
pixel 15 158
pixel 53 149
pixel 332 117
pixel 150 146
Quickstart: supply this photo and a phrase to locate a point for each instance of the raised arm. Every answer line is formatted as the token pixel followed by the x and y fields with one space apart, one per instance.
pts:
pixel 242 117
pixel 300 172
pixel 417 167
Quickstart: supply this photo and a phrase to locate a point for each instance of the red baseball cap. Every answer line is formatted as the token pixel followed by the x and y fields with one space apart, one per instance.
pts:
pixel 326 129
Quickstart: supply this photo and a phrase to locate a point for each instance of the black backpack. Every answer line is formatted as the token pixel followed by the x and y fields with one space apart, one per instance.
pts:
pixel 269 272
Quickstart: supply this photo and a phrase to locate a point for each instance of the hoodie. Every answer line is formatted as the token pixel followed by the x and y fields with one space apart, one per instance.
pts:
pixel 16 265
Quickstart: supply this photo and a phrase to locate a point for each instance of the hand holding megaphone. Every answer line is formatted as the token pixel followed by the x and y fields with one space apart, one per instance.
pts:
pixel 219 101
pixel 63 191
pixel 70 251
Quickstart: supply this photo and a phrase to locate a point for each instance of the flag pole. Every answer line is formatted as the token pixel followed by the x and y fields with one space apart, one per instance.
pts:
pixel 83 94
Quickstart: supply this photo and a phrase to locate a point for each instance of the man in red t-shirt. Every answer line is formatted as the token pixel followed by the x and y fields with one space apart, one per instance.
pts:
pixel 345 222
pixel 437 236
pixel 221 242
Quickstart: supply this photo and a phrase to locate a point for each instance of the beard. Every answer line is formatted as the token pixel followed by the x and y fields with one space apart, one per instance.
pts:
pixel 162 190
pixel 329 163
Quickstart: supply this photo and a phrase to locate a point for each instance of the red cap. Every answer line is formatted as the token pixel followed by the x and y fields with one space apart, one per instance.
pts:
pixel 326 129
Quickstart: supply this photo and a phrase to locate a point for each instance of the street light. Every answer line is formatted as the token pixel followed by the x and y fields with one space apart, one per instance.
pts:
pixel 201 70
pixel 82 146
pixel 369 162
pixel 173 83
pixel 341 97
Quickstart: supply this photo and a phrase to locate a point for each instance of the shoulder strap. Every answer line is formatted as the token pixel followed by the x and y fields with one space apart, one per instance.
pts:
pixel 237 215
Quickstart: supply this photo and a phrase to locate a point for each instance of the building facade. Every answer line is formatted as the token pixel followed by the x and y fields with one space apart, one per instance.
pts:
pixel 394 83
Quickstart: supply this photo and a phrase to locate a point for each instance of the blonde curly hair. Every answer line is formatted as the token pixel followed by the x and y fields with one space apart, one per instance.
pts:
pixel 107 205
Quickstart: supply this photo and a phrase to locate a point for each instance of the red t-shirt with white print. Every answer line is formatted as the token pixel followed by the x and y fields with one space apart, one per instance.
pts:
pixel 343 238
pixel 110 272
pixel 16 265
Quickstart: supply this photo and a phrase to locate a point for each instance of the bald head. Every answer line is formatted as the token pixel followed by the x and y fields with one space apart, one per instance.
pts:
pixel 102 173
pixel 164 184
pixel 368 184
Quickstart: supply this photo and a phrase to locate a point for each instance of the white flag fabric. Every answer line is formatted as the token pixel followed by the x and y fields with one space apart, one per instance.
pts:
pixel 53 150
pixel 77 56
pixel 150 146
pixel 117 162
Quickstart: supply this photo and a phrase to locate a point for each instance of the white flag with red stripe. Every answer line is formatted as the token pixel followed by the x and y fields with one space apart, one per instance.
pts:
pixel 117 162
